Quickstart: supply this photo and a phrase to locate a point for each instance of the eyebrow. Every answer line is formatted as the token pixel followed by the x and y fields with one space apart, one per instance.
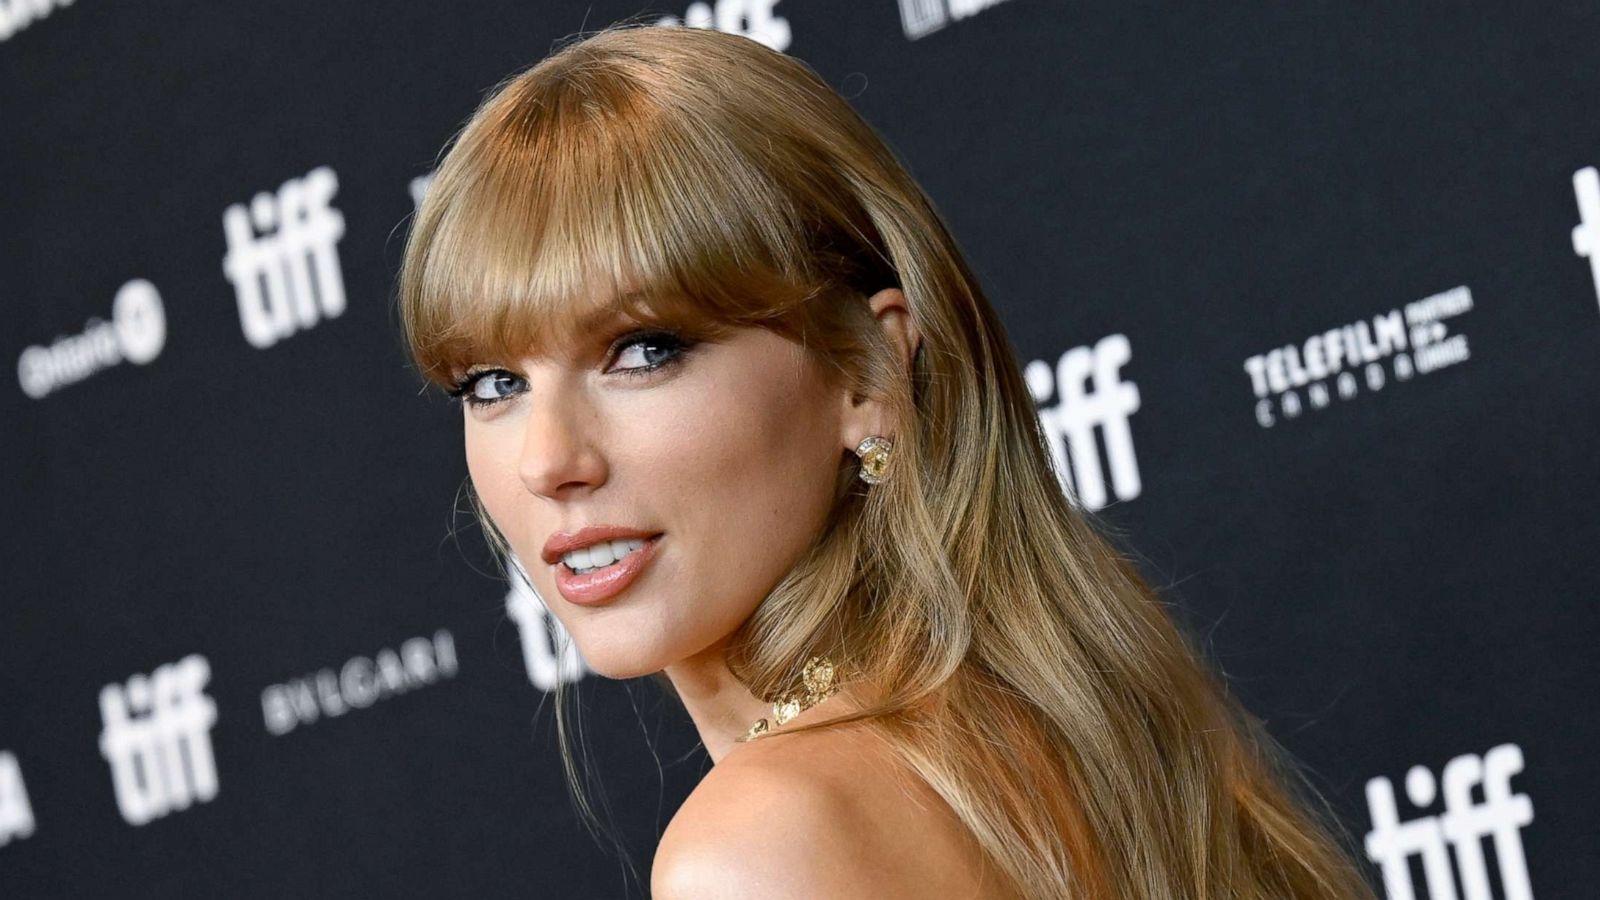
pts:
pixel 578 330
pixel 617 305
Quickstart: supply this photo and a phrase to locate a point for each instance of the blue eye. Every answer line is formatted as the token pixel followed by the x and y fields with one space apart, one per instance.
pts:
pixel 669 348
pixel 656 350
pixel 477 388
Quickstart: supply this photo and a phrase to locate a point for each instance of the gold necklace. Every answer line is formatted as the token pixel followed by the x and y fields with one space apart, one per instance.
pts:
pixel 817 685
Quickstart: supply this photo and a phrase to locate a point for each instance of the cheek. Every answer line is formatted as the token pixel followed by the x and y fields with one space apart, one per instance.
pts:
pixel 750 482
pixel 491 465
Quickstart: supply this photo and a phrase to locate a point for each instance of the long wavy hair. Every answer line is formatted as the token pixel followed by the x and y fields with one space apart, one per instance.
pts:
pixel 1023 666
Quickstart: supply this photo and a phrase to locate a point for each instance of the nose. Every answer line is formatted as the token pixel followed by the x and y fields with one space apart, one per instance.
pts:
pixel 559 455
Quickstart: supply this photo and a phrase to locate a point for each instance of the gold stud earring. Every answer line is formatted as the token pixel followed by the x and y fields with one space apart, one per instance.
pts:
pixel 874 453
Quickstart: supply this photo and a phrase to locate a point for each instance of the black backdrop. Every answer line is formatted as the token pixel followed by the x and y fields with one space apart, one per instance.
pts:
pixel 1298 291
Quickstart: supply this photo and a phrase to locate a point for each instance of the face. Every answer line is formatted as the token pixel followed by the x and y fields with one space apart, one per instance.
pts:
pixel 727 449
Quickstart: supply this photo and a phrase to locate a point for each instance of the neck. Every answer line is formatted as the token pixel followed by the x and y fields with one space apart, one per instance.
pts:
pixel 722 709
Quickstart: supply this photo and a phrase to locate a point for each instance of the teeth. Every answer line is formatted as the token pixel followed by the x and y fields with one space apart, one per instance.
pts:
pixel 599 555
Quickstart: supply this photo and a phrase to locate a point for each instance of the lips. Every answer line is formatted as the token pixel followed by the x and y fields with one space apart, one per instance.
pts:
pixel 563 542
pixel 601 585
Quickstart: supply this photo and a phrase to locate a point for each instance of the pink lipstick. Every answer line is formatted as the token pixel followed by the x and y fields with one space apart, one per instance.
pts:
pixel 597 587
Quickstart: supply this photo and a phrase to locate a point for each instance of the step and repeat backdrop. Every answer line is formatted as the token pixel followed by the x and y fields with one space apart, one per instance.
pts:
pixel 1309 299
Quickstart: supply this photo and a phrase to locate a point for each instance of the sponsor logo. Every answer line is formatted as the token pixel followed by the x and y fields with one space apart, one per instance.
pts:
pixel 16 15
pixel 1346 360
pixel 283 258
pixel 1463 824
pixel 16 814
pixel 752 18
pixel 1586 236
pixel 1091 399
pixel 136 333
pixel 157 738
pixel 547 649
pixel 919 18
pixel 360 682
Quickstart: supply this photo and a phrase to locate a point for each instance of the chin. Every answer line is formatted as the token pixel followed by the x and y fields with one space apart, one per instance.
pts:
pixel 619 661
pixel 622 671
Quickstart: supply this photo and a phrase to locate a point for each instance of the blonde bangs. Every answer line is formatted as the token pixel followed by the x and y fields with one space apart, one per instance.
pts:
pixel 569 195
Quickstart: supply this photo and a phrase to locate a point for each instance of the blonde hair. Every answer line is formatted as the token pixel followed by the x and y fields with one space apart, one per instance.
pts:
pixel 1024 667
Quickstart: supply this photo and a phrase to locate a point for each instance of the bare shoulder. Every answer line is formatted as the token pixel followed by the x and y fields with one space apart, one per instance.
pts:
pixel 755 832
pixel 819 814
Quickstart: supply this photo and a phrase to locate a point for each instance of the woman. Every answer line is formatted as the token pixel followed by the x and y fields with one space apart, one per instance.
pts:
pixel 740 411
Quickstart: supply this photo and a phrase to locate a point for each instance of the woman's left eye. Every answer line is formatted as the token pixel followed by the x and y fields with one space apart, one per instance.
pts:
pixel 643 352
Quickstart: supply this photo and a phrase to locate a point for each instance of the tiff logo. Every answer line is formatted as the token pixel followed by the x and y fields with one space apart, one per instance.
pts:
pixel 547 649
pixel 1586 237
pixel 919 18
pixel 1463 824
pixel 283 257
pixel 16 814
pixel 157 738
pixel 1070 425
pixel 752 18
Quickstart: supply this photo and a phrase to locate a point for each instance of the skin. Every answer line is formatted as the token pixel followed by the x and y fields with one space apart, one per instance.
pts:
pixel 731 452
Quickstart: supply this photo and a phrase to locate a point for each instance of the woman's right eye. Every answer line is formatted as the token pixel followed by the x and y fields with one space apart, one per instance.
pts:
pixel 480 388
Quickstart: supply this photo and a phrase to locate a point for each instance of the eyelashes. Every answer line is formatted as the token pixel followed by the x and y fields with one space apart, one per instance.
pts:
pixel 673 347
pixel 464 390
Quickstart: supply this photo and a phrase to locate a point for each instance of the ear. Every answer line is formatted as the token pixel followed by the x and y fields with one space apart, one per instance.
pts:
pixel 866 416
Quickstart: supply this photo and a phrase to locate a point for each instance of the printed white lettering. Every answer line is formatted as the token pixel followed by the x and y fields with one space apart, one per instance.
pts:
pixel 157 738
pixel 288 277
pixel 1071 425
pixel 359 682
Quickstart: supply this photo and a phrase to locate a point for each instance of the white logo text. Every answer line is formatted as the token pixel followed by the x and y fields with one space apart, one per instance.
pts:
pixel 359 683
pixel 919 18
pixel 1463 824
pixel 1416 342
pixel 752 18
pixel 1586 237
pixel 16 814
pixel 288 277
pixel 157 738
pixel 136 333
pixel 548 651
pixel 1070 425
